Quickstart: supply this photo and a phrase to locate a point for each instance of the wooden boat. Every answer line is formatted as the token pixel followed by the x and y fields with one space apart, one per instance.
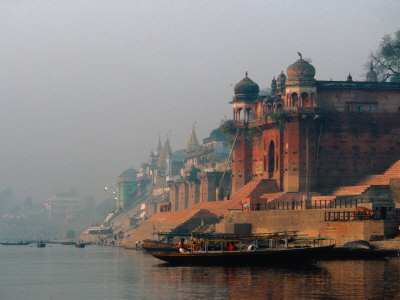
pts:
pixel 245 257
pixel 167 242
pixel 80 244
pixel 159 246
pixel 20 243
pixel 40 244
pixel 69 243
pixel 360 250
pixel 261 249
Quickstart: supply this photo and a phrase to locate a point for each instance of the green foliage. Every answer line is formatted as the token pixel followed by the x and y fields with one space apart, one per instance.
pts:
pixel 193 175
pixel 250 133
pixel 228 130
pixel 387 58
pixel 228 127
pixel 280 117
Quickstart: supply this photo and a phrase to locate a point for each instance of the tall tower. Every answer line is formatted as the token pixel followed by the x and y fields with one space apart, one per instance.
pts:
pixel 244 110
pixel 301 134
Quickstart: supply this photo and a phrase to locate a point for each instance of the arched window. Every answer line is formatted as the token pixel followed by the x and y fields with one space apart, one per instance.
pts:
pixel 295 100
pixel 313 100
pixel 239 114
pixel 304 100
pixel 271 159
pixel 250 114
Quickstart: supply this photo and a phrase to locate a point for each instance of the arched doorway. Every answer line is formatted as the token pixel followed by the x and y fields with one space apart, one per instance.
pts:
pixel 304 100
pixel 295 100
pixel 271 159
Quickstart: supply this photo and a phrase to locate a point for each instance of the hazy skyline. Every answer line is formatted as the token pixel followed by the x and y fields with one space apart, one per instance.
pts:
pixel 88 86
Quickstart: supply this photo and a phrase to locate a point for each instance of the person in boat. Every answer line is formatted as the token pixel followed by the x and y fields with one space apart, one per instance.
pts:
pixel 226 246
pixel 252 247
pixel 181 246
pixel 138 244
pixel 232 247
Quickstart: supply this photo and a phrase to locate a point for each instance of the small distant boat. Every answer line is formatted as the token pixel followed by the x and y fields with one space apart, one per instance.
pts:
pixel 68 243
pixel 80 244
pixel 40 244
pixel 20 243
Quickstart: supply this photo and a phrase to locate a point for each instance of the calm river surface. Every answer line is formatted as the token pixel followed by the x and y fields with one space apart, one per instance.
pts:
pixel 65 272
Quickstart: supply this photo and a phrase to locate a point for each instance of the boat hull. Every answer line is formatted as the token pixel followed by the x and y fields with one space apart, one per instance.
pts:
pixel 257 257
pixel 157 246
pixel 15 244
pixel 349 253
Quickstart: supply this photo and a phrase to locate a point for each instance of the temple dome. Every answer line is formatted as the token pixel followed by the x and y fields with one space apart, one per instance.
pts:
pixel 246 89
pixel 300 69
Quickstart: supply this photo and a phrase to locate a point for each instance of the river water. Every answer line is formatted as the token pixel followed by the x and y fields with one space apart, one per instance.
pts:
pixel 65 272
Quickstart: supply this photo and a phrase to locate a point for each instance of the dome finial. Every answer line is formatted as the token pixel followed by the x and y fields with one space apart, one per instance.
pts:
pixel 299 54
pixel 247 73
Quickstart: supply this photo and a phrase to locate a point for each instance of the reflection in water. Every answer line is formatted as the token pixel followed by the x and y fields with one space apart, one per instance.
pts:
pixel 325 280
pixel 62 272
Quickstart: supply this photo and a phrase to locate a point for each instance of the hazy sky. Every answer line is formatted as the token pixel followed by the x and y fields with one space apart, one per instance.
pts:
pixel 87 86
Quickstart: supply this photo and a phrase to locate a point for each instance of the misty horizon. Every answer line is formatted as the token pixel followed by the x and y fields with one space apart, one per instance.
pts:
pixel 88 87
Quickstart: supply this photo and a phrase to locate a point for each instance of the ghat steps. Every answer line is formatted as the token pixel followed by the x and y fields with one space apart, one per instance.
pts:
pixel 176 220
pixel 367 182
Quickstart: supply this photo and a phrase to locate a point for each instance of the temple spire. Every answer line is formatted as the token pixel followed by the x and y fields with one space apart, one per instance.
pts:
pixel 158 148
pixel 192 144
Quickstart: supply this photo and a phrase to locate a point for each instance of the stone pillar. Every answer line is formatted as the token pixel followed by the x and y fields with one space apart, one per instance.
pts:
pixel 174 196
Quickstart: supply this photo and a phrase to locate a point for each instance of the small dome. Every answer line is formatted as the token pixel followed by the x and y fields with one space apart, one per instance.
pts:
pixel 281 77
pixel 246 87
pixel 301 69
pixel 349 78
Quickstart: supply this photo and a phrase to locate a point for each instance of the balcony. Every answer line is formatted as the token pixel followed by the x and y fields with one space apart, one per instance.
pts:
pixel 264 119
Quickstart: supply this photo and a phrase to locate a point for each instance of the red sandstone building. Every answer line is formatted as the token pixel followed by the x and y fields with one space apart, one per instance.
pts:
pixel 308 138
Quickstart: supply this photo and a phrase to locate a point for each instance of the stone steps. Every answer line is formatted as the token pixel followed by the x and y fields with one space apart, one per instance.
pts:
pixel 168 221
pixel 381 179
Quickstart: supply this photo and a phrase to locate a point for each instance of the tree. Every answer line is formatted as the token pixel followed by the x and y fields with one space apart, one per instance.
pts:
pixel 193 175
pixel 387 58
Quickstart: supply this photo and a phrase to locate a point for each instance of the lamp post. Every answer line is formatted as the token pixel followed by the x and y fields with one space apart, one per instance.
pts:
pixel 114 200
pixel 105 202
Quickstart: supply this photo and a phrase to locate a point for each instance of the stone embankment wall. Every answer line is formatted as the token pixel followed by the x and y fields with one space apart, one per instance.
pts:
pixel 310 223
